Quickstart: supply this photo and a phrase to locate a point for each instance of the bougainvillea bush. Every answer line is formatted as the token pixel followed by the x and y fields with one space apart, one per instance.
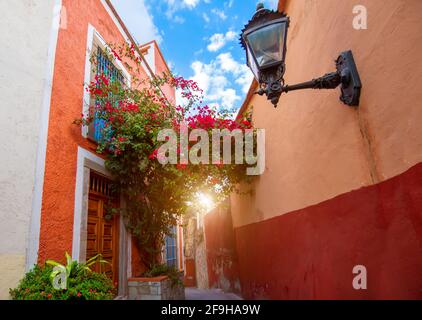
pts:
pixel 132 117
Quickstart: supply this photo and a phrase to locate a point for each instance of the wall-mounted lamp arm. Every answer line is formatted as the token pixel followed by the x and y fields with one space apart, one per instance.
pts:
pixel 346 75
pixel 327 81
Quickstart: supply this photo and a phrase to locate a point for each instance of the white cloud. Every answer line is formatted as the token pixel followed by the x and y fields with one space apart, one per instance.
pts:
pixel 137 18
pixel 231 2
pixel 219 13
pixel 228 98
pixel 213 78
pixel 227 63
pixel 179 19
pixel 175 5
pixel 271 4
pixel 200 51
pixel 240 71
pixel 231 35
pixel 219 40
pixel 245 80
pixel 180 100
pixel 202 74
pixel 170 64
pixel 206 17
pixel 191 3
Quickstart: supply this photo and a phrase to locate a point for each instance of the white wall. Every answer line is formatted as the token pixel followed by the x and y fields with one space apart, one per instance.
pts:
pixel 28 40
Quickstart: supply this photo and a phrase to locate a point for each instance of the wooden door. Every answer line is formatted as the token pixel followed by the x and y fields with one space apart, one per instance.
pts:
pixel 102 233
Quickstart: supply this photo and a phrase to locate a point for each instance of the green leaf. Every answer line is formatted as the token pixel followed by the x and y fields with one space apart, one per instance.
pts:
pixel 54 263
pixel 92 260
pixel 87 268
pixel 68 259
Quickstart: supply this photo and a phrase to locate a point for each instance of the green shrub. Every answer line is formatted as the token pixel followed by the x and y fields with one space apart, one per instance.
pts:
pixel 83 285
pixel 164 270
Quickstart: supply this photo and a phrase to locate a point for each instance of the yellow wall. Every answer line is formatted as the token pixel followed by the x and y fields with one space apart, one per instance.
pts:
pixel 12 268
pixel 316 147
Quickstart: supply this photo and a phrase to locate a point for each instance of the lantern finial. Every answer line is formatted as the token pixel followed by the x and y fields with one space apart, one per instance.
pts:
pixel 259 6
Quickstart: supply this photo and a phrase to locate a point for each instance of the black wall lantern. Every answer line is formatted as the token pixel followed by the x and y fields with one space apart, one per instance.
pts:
pixel 264 39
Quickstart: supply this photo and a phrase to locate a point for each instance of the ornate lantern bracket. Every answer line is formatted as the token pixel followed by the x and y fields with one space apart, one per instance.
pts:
pixel 264 38
pixel 346 76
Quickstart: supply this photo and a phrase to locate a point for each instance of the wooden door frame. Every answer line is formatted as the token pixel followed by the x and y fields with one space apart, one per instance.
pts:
pixel 88 161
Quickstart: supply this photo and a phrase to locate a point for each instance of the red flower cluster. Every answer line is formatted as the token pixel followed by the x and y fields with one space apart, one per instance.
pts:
pixel 99 87
pixel 206 118
pixel 161 113
pixel 153 155
pixel 116 55
pixel 127 106
pixel 102 78
pixel 180 82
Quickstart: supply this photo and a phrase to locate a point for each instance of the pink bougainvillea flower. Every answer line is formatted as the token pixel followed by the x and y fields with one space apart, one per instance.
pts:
pixel 153 155
pixel 116 55
pixel 181 166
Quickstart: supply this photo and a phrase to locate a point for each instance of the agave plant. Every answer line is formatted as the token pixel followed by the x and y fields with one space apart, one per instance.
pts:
pixel 65 272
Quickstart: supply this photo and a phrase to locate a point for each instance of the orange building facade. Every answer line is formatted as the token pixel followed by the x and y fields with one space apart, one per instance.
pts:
pixel 342 186
pixel 76 185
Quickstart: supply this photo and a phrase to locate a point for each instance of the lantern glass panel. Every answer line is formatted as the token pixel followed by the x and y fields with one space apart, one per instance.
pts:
pixel 252 65
pixel 267 44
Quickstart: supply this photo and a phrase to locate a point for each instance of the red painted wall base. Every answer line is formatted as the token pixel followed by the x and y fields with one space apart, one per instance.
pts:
pixel 310 253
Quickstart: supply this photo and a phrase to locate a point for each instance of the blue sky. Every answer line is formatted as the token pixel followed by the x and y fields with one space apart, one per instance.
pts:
pixel 199 40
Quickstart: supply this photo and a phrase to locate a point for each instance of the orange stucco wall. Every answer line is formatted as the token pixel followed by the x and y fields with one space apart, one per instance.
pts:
pixel 317 148
pixel 64 137
pixel 161 67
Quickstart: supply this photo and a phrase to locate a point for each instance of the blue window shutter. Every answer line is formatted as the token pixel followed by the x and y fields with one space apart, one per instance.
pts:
pixel 171 248
pixel 106 67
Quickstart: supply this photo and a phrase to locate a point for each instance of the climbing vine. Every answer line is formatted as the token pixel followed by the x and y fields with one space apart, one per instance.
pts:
pixel 130 119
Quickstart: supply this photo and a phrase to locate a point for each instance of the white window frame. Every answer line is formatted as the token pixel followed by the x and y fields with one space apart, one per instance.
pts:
pixel 95 39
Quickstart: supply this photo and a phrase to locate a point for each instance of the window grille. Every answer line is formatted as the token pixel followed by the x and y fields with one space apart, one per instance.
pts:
pixel 107 68
pixel 101 185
